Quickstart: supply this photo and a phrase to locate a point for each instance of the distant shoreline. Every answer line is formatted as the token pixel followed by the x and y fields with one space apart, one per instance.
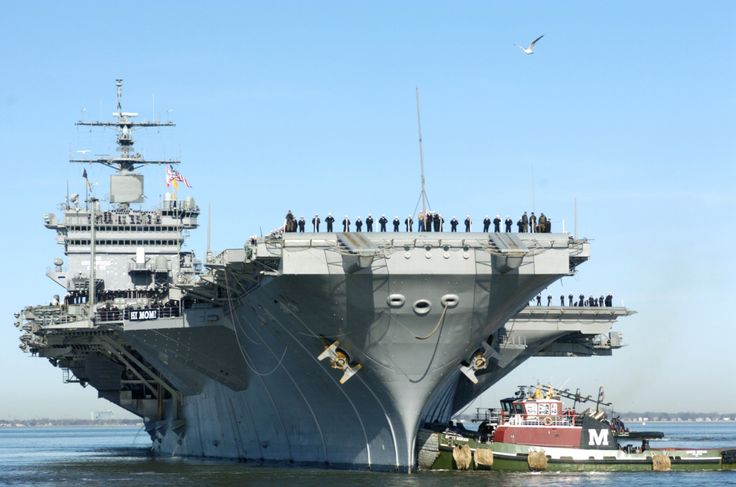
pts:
pixel 56 423
pixel 138 423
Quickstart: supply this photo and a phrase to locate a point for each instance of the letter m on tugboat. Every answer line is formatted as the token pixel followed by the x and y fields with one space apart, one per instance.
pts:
pixel 597 437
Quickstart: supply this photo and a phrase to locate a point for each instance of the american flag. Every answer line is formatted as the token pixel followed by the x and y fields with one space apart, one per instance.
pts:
pixel 173 177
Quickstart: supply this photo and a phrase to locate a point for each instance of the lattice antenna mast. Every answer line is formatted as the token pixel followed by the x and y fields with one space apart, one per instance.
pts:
pixel 127 160
pixel 423 199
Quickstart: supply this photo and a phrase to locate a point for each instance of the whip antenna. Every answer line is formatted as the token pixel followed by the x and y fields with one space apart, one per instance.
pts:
pixel 423 199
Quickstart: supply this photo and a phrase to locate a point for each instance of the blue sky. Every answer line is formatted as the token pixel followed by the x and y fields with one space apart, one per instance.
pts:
pixel 626 107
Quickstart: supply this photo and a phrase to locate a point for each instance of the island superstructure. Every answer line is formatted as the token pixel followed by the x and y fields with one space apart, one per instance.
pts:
pixel 322 349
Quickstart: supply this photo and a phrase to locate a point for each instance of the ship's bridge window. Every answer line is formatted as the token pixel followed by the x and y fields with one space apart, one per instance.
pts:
pixel 518 408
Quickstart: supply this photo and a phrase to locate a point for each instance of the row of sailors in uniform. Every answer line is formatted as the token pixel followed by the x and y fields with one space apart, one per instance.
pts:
pixel 168 309
pixel 133 217
pixel 81 296
pixel 426 223
pixel 582 301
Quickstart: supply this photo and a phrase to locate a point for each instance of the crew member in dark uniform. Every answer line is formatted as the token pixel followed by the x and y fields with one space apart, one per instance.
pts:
pixel 369 223
pixel 396 222
pixel 346 224
pixel 562 300
pixel 486 224
pixel 315 223
pixel 549 300
pixel 383 221
pixel 290 224
pixel 409 223
pixel 609 300
pixel 468 222
pixel 508 222
pixel 569 299
pixel 524 223
pixel 428 221
pixel 542 223
pixel 520 224
pixel 329 220
pixel 437 222
pixel 453 224
pixel 497 224
pixel 358 224
pixel 302 224
pixel 539 300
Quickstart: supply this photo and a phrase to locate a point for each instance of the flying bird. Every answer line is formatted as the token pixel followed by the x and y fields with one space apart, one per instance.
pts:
pixel 530 48
pixel 83 151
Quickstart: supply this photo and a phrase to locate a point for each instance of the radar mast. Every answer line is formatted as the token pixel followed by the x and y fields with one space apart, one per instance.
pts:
pixel 126 160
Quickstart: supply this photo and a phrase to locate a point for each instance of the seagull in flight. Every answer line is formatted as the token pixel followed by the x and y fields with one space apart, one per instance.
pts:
pixel 83 151
pixel 530 48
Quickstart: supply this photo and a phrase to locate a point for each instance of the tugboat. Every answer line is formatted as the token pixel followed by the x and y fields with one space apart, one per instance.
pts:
pixel 535 431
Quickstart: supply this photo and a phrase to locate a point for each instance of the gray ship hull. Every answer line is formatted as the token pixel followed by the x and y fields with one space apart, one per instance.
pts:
pixel 279 402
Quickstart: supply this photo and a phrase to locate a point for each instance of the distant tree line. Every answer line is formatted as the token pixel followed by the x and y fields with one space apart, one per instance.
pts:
pixel 685 416
pixel 41 422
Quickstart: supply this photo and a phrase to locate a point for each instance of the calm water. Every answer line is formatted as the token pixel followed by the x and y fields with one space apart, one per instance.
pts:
pixel 120 456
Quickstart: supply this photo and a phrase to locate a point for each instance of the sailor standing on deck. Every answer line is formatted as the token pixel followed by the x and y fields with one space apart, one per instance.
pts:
pixel 486 224
pixel 358 224
pixel 346 224
pixel 383 221
pixel 302 224
pixel 290 223
pixel 369 223
pixel 436 216
pixel 508 222
pixel 409 222
pixel 420 219
pixel 428 220
pixel 330 220
pixel 396 222
pixel 524 223
pixel 497 224
pixel 533 224
pixel 315 223
pixel 468 222
pixel 453 224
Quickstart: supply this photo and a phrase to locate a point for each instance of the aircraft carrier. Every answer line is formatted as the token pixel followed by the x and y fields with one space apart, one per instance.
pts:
pixel 327 349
